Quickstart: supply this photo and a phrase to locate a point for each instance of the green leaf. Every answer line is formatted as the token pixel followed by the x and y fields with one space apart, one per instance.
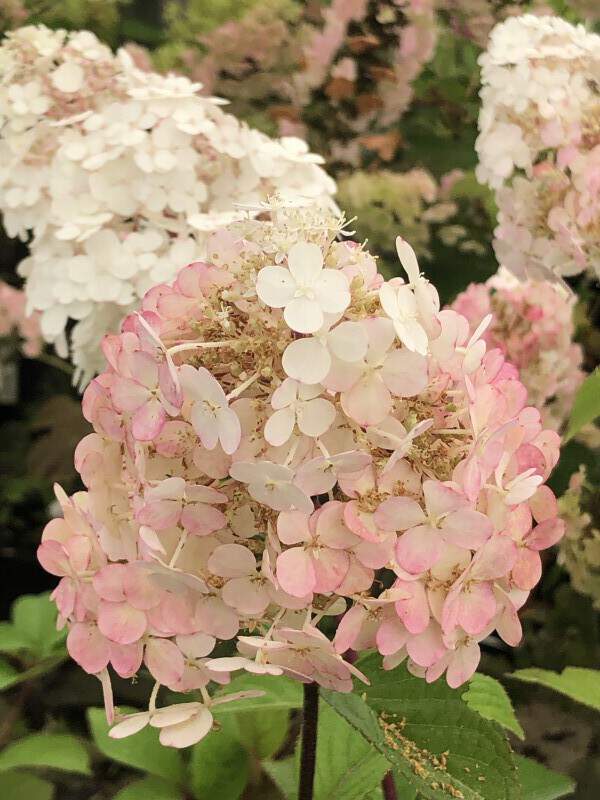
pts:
pixel 142 750
pixel 34 618
pixel 347 766
pixel 149 789
pixel 280 693
pixel 261 732
pixel 489 698
pixel 11 641
pixel 55 750
pixel 582 685
pixel 284 774
pixel 435 741
pixel 586 406
pixel 8 675
pixel 540 783
pixel 218 767
pixel 19 785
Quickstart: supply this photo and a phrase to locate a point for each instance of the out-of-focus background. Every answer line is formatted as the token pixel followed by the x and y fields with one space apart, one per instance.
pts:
pixel 408 169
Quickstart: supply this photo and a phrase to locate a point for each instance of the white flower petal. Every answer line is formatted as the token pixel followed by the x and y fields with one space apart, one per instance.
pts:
pixel 275 286
pixel 303 315
pixel 279 426
pixel 348 341
pixel 189 732
pixel 332 292
pixel 307 360
pixel 316 416
pixel 305 261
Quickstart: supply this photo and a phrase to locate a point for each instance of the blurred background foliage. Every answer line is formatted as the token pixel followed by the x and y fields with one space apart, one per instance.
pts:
pixel 414 175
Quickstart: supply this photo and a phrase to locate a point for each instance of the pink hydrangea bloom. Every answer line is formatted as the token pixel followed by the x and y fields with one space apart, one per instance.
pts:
pixel 533 327
pixel 255 503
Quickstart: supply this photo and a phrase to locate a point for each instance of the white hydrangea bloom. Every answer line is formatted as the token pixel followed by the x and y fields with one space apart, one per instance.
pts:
pixel 538 144
pixel 118 176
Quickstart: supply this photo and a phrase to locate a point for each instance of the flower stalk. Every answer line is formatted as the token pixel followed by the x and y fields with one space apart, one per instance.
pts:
pixel 308 752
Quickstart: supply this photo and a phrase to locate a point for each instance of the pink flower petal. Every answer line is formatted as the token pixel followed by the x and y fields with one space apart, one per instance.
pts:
pixel 414 609
pixel 330 569
pixel 216 619
pixel 467 528
pixel 231 561
pixel 201 519
pixel 148 421
pixel 164 660
pixel 88 647
pixel 54 558
pixel 427 647
pixel 527 569
pixel 349 628
pixel 546 534
pixel 418 549
pixel 120 622
pixel 391 636
pixel 398 514
pixel 463 664
pixel 126 659
pixel 295 572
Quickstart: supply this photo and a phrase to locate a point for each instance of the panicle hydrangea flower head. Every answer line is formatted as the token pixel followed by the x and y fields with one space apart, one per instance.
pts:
pixel 280 435
pixel 539 144
pixel 533 327
pixel 120 175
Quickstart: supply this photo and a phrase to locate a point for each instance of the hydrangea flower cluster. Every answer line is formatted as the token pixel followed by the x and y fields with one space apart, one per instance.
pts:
pixel 539 144
pixel 580 548
pixel 533 327
pixel 119 174
pixel 14 320
pixel 280 435
pixel 341 81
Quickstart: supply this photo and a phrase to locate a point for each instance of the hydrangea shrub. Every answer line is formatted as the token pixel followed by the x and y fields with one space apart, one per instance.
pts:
pixel 282 435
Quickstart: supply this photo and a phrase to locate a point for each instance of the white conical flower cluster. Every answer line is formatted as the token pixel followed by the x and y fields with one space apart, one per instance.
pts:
pixel 539 144
pixel 119 176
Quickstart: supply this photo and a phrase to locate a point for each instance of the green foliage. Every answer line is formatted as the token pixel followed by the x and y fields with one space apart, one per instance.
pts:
pixel 347 768
pixel 149 789
pixel 586 406
pixel 489 698
pixel 54 750
pixel 142 751
pixel 430 735
pixel 540 783
pixel 101 16
pixel 31 640
pixel 219 767
pixel 34 619
pixel 262 732
pixel 18 785
pixel 582 685
pixel 280 693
